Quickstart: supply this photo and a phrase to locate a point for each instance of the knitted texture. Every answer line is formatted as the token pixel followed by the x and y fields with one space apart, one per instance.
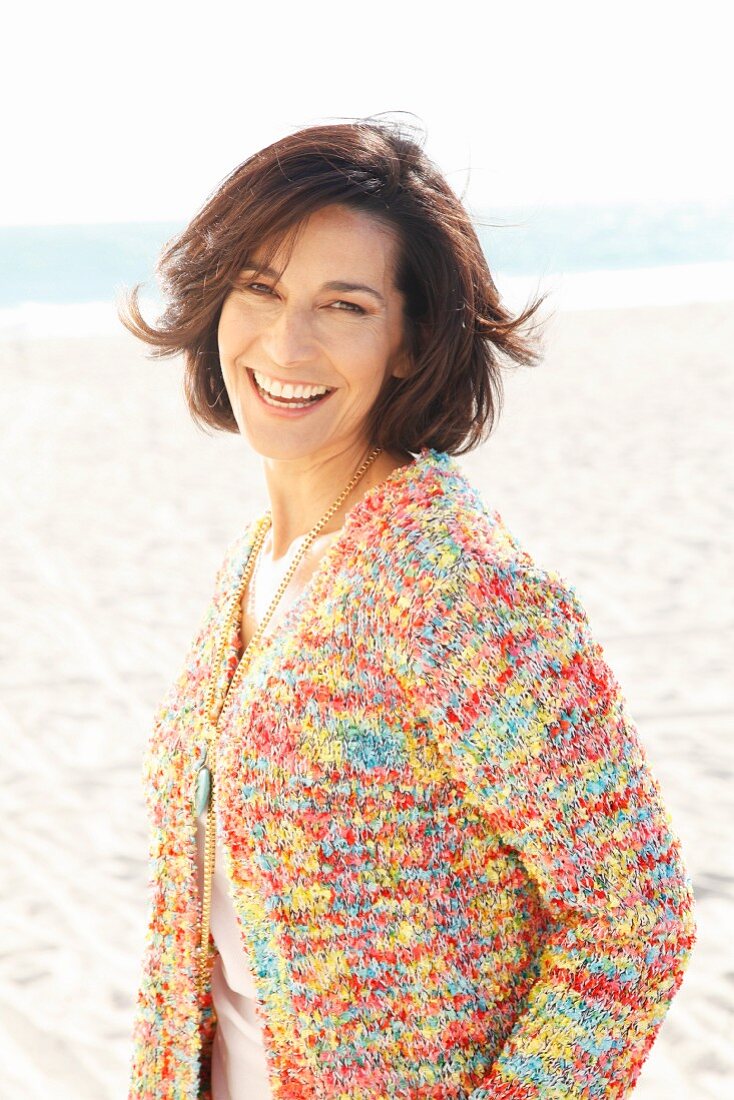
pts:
pixel 453 869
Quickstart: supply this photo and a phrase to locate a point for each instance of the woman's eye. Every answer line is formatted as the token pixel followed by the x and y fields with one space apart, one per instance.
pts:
pixel 352 306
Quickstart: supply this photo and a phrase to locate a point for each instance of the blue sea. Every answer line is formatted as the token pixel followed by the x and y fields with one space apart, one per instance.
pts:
pixel 59 279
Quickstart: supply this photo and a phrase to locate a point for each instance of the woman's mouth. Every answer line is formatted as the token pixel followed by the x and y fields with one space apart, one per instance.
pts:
pixel 287 406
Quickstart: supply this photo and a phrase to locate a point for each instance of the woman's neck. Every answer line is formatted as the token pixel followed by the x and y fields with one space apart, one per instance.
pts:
pixel 302 490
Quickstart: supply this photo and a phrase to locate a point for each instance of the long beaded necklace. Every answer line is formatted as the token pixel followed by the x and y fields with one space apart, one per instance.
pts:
pixel 205 797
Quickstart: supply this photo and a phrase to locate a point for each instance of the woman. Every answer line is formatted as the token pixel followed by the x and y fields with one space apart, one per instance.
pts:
pixel 405 841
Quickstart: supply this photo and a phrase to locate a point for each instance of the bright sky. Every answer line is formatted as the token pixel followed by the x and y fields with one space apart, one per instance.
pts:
pixel 135 111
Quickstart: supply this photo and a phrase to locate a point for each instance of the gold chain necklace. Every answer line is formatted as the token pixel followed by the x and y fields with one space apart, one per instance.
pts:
pixel 206 787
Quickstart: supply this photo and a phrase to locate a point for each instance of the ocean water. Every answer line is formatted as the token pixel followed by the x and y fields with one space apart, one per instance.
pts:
pixel 64 279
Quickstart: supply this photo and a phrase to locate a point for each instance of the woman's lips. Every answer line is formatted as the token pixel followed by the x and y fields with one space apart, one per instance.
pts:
pixel 284 410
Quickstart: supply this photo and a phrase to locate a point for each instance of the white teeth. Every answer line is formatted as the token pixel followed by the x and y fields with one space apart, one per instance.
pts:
pixel 278 389
pixel 279 403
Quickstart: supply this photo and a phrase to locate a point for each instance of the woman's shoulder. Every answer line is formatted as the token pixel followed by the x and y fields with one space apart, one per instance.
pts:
pixel 489 611
pixel 475 565
pixel 465 536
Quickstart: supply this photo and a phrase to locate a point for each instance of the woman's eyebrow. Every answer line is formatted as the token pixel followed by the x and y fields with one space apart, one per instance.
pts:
pixel 334 284
pixel 338 284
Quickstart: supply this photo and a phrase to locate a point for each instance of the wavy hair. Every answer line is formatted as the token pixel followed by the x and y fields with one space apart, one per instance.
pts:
pixel 458 332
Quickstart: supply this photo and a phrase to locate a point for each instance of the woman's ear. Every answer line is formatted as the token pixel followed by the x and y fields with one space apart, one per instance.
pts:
pixel 402 366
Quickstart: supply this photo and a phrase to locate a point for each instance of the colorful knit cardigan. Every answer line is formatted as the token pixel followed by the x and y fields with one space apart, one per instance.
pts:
pixel 453 868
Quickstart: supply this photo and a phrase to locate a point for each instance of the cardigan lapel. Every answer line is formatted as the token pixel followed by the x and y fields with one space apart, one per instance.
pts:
pixel 186 1026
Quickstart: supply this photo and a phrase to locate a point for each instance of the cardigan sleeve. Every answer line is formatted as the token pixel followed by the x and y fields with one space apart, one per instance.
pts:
pixel 531 720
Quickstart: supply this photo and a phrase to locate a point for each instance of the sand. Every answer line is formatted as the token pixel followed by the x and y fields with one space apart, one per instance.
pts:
pixel 612 463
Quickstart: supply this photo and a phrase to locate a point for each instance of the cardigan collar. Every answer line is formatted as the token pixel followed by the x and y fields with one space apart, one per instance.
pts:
pixel 372 512
pixel 422 479
pixel 393 490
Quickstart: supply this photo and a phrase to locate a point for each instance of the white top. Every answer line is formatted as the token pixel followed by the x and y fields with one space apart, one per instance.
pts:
pixel 239 1067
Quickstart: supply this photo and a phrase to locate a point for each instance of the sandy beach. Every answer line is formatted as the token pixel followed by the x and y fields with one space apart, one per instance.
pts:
pixel 611 462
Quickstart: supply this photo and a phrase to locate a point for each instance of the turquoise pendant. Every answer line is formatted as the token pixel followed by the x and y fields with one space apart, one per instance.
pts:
pixel 203 790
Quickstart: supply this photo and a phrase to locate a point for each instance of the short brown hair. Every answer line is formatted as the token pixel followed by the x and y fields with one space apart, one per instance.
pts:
pixel 457 330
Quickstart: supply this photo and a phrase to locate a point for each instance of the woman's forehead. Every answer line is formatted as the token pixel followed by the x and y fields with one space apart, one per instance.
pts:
pixel 359 248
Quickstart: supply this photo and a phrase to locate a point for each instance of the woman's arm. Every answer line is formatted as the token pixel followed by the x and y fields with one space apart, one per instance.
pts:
pixel 531 719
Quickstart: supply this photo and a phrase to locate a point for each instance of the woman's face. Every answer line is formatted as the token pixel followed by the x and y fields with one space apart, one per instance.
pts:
pixel 334 319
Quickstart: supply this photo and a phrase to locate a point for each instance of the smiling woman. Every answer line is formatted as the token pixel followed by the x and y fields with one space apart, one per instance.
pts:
pixel 294 332
pixel 399 242
pixel 404 838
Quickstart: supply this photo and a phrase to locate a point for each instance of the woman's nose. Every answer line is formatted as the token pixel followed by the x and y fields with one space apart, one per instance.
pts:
pixel 288 338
